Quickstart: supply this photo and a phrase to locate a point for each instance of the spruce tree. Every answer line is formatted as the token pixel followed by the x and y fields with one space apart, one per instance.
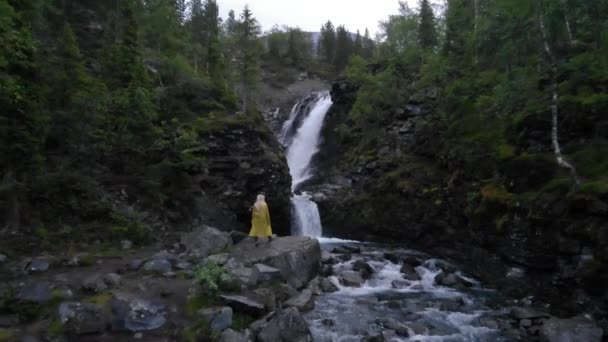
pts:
pixel 459 26
pixel 327 43
pixel 358 44
pixel 248 31
pixel 427 33
pixel 368 46
pixel 344 48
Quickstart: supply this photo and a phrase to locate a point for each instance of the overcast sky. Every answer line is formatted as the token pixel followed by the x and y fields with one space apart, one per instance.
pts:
pixel 309 15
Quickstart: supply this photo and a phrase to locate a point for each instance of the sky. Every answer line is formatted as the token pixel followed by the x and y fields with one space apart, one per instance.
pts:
pixel 309 15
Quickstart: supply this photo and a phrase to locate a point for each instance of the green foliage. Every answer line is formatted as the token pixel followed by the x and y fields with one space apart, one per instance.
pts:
pixel 209 275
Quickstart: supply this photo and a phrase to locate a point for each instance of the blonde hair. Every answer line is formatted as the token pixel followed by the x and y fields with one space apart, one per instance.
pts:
pixel 260 200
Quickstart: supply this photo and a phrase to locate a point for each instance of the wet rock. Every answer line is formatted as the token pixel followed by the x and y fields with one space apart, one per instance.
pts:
pixel 452 305
pixel 37 265
pixel 7 321
pixel 219 319
pixel 136 314
pixel 206 241
pixel 327 286
pixel 233 336
pixel 352 249
pixel 244 304
pixel 344 257
pixel 525 323
pixel 265 273
pixel 237 236
pixel 409 273
pixel 82 318
pixel 393 257
pixel 363 268
pixel 417 328
pixel 327 271
pixel 400 284
pixel 527 313
pixel 135 265
pixel 3 259
pixel 351 278
pixel 393 324
pixel 570 330
pixel 304 302
pixel 39 292
pixel 451 279
pixel 126 244
pixel 98 283
pixel 297 257
pixel 158 266
pixel 412 261
pixel 287 326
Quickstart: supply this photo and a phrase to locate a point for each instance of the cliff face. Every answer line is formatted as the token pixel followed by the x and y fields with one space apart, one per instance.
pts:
pixel 514 221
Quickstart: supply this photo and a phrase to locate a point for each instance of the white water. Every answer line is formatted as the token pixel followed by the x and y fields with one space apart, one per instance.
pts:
pixel 302 147
pixel 305 143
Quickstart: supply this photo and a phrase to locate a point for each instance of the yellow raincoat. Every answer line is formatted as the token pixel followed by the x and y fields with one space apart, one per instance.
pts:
pixel 260 221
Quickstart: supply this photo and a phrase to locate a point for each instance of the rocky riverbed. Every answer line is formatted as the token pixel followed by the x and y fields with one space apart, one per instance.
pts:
pixel 287 289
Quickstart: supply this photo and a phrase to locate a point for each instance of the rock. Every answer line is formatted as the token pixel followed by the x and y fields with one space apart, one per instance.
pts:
pixel 363 268
pixel 39 292
pixel 244 275
pixel 220 259
pixel 400 284
pixel 525 323
pixel 287 326
pixel 158 266
pixel 265 273
pixel 352 279
pixel 206 241
pixel 135 265
pixel 82 318
pixel 570 330
pixel 37 265
pixel 393 257
pixel 527 313
pixel 344 257
pixel 412 261
pixel 452 305
pixel 451 279
pixel 112 279
pixel 304 302
pixel 327 286
pixel 63 292
pixel 233 336
pixel 126 244
pixel 219 319
pixel 7 321
pixel 297 257
pixel 393 324
pixel 237 236
pixel 136 314
pixel 138 336
pixel 28 338
pixel 409 273
pixel 418 328
pixel 285 292
pixel 244 304
pixel 327 271
pixel 3 258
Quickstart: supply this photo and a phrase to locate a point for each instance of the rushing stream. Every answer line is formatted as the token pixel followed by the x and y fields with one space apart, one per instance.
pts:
pixel 388 304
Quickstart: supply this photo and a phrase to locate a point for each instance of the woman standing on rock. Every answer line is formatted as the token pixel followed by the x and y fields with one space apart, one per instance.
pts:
pixel 260 219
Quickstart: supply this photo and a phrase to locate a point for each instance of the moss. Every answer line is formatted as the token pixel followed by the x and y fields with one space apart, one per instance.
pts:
pixel 55 328
pixel 7 335
pixel 241 321
pixel 496 194
pixel 196 303
pixel 595 188
pixel 591 162
pixel 504 152
pixel 100 299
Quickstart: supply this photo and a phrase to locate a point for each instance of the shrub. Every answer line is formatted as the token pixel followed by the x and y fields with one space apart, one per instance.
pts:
pixel 209 275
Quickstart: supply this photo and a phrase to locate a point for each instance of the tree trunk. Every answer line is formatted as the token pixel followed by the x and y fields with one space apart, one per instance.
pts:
pixel 561 161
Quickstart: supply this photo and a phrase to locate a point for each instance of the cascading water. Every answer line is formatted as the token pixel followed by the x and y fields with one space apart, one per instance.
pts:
pixel 301 134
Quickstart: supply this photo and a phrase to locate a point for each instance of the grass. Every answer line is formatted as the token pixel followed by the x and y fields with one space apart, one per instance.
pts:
pixel 100 299
pixel 595 188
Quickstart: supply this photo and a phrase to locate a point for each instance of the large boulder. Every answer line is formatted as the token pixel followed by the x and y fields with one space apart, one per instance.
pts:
pixel 136 314
pixel 286 326
pixel 82 318
pixel 244 304
pixel 233 336
pixel 451 279
pixel 304 302
pixel 351 278
pixel 570 330
pixel 206 241
pixel 297 257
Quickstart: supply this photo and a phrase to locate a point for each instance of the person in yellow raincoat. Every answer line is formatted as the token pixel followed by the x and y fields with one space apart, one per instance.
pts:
pixel 260 219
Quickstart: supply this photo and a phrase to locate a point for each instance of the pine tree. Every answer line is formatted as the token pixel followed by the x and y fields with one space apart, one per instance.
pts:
pixel 344 48
pixel 368 46
pixel 459 26
pixel 358 44
pixel 214 62
pixel 248 31
pixel 327 43
pixel 427 33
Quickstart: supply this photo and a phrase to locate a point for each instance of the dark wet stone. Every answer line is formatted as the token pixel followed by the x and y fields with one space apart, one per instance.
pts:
pixel 82 318
pixel 363 268
pixel 451 279
pixel 412 261
pixel 36 292
pixel 158 266
pixel 243 304
pixel 409 273
pixel 219 319
pixel 351 278
pixel 37 266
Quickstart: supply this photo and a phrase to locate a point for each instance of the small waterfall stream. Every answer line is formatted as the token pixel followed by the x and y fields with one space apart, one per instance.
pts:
pixel 301 134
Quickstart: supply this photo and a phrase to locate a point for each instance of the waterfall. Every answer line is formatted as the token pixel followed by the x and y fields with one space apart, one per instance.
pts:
pixel 301 134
